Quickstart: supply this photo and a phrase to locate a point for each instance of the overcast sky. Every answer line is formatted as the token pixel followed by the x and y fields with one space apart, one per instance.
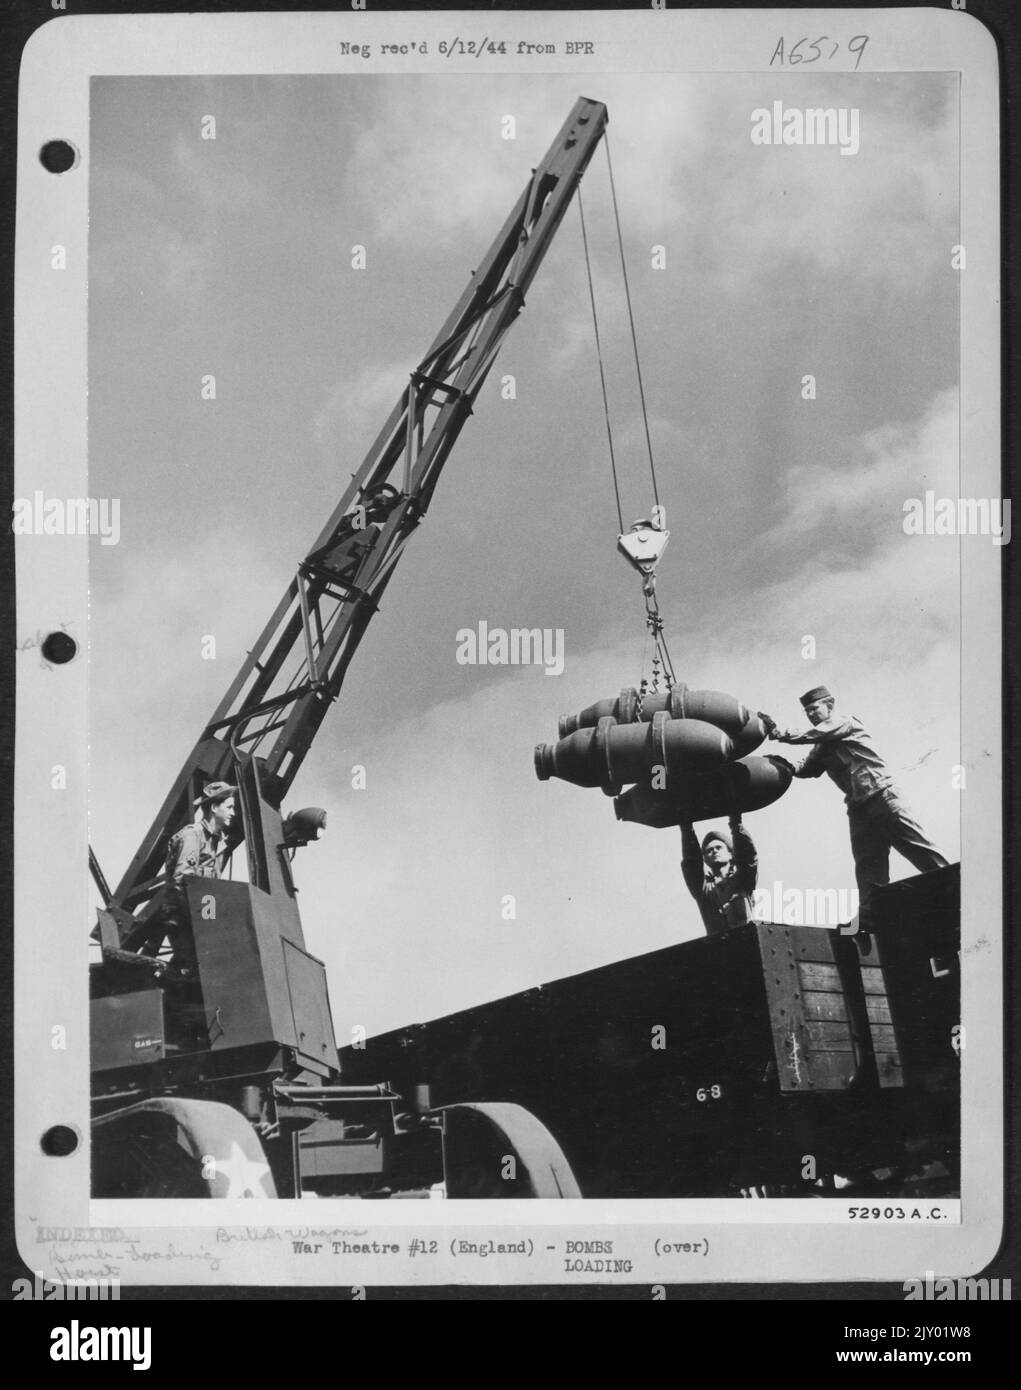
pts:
pixel 233 257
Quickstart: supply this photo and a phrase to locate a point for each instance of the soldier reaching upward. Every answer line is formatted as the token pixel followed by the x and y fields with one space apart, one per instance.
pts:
pixel 724 893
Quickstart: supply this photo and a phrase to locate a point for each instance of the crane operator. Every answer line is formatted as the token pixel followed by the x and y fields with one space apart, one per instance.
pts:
pixel 198 849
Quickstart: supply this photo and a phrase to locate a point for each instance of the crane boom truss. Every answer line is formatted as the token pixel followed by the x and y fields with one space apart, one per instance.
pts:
pixel 277 701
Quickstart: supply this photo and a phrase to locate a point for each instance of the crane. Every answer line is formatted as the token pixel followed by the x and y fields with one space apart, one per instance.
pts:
pixel 250 1034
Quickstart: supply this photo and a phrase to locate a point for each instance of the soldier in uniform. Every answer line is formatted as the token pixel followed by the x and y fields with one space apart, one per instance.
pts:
pixel 721 875
pixel 195 849
pixel 879 821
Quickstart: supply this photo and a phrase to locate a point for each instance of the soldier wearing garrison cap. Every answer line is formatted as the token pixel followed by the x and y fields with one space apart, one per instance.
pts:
pixel 878 819
pixel 197 849
pixel 721 874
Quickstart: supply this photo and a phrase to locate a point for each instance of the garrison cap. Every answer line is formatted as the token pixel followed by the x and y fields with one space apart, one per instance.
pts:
pixel 214 791
pixel 819 693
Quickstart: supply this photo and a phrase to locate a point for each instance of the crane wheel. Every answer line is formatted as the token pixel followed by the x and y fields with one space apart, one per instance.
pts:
pixel 497 1149
pixel 170 1147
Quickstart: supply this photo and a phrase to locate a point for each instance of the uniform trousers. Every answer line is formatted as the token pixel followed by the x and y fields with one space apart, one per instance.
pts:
pixel 881 823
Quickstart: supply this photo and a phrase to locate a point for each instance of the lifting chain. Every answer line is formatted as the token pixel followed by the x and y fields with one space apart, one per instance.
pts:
pixel 661 663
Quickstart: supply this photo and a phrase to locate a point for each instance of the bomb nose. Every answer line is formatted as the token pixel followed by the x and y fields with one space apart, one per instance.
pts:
pixel 543 758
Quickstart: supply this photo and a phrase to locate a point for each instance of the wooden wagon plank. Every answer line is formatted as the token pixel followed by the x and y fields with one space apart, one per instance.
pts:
pixel 872 979
pixel 877 1007
pixel 819 1004
pixel 827 1037
pixel 818 975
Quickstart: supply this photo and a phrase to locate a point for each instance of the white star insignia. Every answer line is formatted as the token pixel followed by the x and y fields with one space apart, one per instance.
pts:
pixel 244 1175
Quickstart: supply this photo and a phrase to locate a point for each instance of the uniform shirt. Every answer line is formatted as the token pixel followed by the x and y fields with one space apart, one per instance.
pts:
pixel 723 901
pixel 195 849
pixel 843 749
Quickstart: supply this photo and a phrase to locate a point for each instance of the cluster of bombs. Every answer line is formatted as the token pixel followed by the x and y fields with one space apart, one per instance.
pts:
pixel 684 756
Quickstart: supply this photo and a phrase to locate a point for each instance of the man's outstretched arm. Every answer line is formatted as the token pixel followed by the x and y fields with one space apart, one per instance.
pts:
pixel 691 860
pixel 810 766
pixel 746 862
pixel 825 732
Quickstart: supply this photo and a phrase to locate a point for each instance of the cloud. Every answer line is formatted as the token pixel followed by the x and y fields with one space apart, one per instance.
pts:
pixel 151 691
pixel 865 496
pixel 128 211
pixel 814 206
pixel 356 408
pixel 449 186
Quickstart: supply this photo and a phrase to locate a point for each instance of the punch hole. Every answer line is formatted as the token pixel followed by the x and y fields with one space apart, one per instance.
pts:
pixel 59 648
pixel 58 156
pixel 59 1141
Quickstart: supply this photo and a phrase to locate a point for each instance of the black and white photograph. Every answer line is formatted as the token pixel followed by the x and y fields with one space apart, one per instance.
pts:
pixel 532 498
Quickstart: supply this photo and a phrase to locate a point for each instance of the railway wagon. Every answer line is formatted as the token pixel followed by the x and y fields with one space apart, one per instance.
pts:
pixel 791 1059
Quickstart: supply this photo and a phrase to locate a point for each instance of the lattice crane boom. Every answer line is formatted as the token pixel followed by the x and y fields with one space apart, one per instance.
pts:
pixel 276 703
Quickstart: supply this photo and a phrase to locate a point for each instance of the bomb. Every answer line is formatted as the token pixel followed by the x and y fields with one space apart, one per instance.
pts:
pixel 611 755
pixel 573 759
pixel 751 734
pixel 709 706
pixel 748 784
pixel 623 710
